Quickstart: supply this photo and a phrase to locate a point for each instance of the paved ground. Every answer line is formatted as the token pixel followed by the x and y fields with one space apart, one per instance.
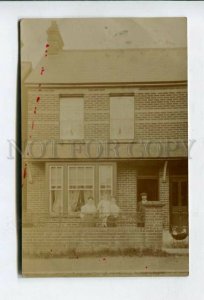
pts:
pixel 126 266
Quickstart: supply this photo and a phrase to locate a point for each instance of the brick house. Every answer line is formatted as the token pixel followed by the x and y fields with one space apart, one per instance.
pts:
pixel 106 122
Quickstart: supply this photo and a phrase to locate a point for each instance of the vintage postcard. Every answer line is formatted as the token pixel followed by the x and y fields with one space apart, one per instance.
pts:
pixel 104 147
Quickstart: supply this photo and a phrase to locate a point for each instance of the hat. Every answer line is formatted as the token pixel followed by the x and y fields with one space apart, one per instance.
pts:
pixel 143 194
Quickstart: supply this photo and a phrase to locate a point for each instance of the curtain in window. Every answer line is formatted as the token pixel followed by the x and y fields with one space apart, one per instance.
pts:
pixel 56 204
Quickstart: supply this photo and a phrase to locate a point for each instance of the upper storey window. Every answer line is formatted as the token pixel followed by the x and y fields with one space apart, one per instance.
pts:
pixel 72 118
pixel 122 117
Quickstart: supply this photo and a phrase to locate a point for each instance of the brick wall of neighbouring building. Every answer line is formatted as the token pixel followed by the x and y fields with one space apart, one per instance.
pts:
pixel 159 113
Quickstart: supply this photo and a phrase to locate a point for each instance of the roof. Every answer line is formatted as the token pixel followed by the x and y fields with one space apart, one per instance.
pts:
pixel 112 66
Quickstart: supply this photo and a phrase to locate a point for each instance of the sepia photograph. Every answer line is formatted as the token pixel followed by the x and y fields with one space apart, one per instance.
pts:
pixel 104 130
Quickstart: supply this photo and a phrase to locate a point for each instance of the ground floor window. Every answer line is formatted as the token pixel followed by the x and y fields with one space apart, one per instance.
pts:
pixel 80 186
pixel 105 181
pixel 56 190
pixel 71 185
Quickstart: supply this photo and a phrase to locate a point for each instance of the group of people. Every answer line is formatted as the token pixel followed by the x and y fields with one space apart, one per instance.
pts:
pixel 107 210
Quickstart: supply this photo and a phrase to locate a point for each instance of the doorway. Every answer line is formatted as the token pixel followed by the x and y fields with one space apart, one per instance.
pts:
pixel 179 201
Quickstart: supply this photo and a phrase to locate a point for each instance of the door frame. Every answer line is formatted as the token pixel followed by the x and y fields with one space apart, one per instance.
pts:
pixel 171 179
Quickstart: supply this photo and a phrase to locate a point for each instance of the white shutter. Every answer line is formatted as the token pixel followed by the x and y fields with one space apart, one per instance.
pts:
pixel 72 118
pixel 122 117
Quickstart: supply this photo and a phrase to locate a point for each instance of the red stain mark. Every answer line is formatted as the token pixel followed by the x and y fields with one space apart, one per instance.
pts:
pixel 33 123
pixel 46 51
pixel 38 99
pixel 47 45
pixel 35 109
pixel 42 71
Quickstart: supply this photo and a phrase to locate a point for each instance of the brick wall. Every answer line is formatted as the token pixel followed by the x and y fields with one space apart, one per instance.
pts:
pixel 59 238
pixel 37 193
pixel 164 197
pixel 96 116
pixel 159 113
pixel 46 119
pixel 126 191
pixel 153 224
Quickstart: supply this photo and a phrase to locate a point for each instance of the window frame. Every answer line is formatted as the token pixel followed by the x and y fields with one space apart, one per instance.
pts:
pixel 65 165
pixel 112 181
pixel 68 166
pixel 50 189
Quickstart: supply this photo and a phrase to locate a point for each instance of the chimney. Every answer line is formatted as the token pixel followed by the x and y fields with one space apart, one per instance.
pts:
pixel 54 39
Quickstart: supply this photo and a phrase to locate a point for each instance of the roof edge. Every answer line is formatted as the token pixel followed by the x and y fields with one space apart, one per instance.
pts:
pixel 111 84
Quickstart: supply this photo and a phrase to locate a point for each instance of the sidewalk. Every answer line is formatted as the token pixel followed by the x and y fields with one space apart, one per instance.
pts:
pixel 107 266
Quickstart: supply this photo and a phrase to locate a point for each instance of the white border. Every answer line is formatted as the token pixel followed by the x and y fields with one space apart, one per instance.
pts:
pixel 14 287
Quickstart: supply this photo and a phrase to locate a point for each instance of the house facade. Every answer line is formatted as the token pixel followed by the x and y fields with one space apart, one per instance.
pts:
pixel 105 123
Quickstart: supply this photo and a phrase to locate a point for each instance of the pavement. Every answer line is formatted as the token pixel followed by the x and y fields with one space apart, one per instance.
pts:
pixel 173 265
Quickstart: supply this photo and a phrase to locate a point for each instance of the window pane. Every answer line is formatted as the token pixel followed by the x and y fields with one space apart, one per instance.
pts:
pixel 89 176
pixel 72 176
pixel 80 177
pixel 56 202
pixel 71 129
pixel 56 190
pixel 80 186
pixel 122 117
pixel 122 129
pixel 77 199
pixel 56 177
pixel 105 181
pixel 72 118
pixel 53 176
pixel 105 176
pixel 105 194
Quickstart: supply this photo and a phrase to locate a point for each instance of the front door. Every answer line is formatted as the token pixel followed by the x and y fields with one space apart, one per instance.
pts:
pixel 179 201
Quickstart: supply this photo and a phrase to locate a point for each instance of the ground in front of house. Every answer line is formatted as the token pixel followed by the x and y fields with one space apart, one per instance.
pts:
pixel 175 265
